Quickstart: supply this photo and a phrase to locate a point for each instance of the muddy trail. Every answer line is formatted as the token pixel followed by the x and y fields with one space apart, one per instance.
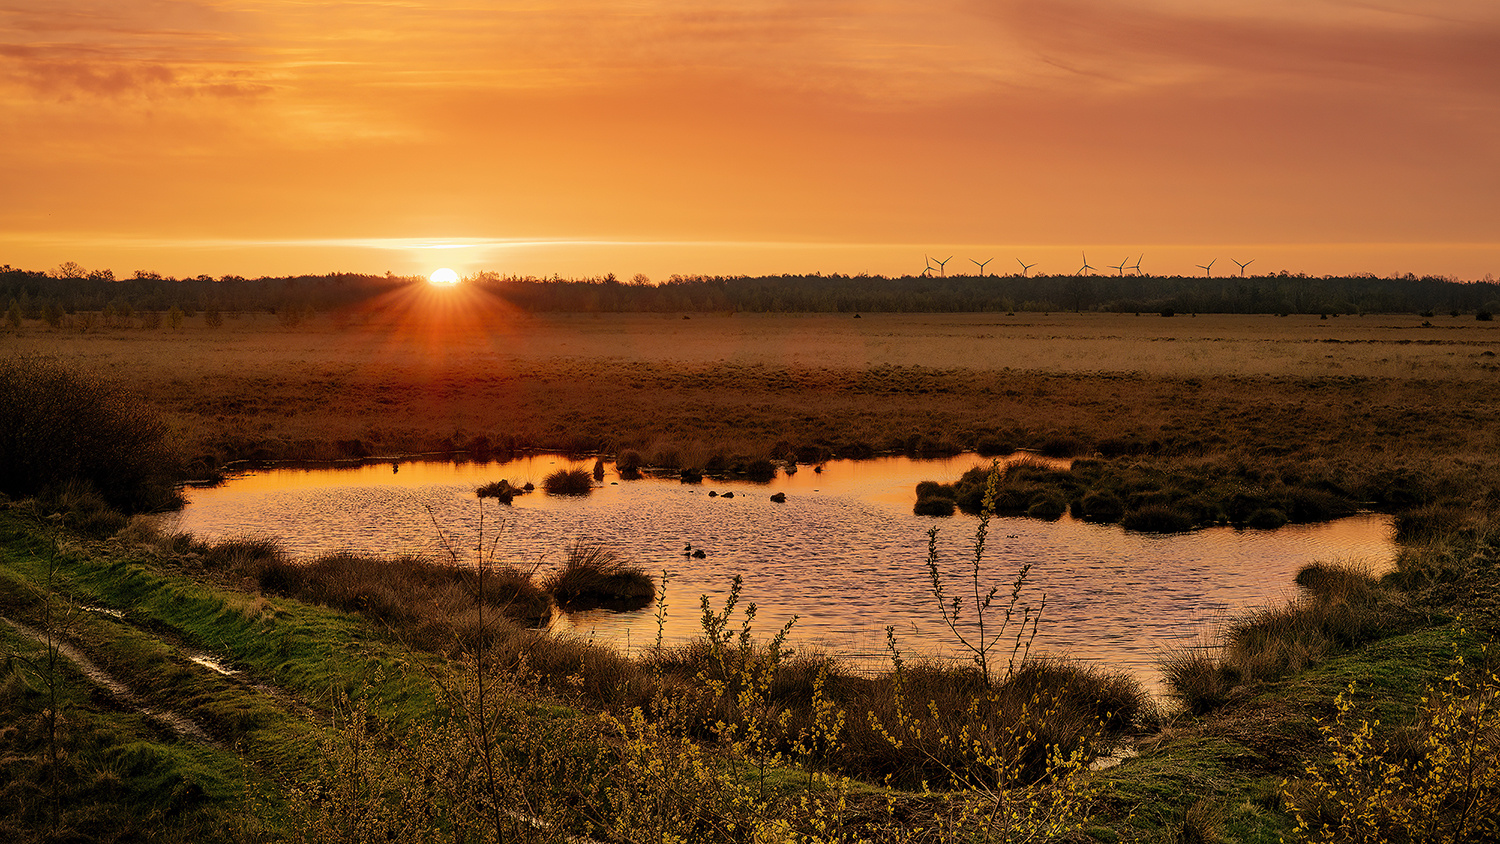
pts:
pixel 121 693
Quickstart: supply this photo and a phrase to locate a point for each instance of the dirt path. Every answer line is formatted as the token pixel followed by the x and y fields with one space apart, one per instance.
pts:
pixel 119 691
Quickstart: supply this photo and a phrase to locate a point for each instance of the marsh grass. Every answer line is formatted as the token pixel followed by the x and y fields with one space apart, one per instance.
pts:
pixel 1342 607
pixel 568 482
pixel 593 575
pixel 500 490
pixel 431 604
pixel 1257 391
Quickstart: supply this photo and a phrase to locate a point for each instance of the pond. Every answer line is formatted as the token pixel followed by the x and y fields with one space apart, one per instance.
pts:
pixel 843 553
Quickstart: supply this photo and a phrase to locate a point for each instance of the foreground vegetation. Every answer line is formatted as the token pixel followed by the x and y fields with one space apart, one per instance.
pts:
pixel 459 724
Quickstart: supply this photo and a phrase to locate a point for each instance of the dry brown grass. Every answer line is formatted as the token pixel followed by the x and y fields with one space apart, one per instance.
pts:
pixel 425 603
pixel 1341 608
pixel 1376 406
pixel 596 576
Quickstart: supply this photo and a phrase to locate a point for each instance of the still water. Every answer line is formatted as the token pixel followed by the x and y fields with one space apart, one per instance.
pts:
pixel 844 553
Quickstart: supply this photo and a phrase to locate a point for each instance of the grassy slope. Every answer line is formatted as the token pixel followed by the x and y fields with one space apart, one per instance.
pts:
pixel 295 664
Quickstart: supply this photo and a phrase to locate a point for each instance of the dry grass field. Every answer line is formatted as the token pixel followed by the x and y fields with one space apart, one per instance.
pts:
pixel 1385 388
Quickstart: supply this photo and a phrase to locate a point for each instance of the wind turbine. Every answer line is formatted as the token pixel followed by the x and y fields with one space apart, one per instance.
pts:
pixel 1085 264
pixel 981 266
pixel 927 273
pixel 1120 266
pixel 1137 265
pixel 1025 267
pixel 1243 266
pixel 943 266
pixel 1207 270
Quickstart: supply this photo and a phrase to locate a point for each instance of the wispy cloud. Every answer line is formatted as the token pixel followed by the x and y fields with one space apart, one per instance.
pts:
pixel 1238 45
pixel 684 121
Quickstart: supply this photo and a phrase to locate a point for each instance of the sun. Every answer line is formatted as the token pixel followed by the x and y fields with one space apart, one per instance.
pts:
pixel 443 276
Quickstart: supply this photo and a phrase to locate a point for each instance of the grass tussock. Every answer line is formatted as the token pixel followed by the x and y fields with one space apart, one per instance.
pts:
pixel 595 576
pixel 629 464
pixel 500 490
pixel 1157 518
pixel 430 605
pixel 1341 608
pixel 568 482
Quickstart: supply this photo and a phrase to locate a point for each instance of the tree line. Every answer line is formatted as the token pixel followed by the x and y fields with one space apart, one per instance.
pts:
pixel 70 290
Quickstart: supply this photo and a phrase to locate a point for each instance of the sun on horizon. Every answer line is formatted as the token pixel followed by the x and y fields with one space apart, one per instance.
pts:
pixel 443 276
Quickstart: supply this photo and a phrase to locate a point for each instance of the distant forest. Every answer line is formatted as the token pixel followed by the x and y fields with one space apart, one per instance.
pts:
pixel 70 290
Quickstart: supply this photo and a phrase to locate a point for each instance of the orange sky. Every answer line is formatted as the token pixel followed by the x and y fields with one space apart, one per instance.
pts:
pixel 580 138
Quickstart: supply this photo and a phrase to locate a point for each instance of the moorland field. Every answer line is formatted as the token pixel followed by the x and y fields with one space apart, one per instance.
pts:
pixel 346 690
pixel 744 383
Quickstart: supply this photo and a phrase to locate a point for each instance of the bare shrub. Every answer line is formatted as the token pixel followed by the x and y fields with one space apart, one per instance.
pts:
pixel 58 423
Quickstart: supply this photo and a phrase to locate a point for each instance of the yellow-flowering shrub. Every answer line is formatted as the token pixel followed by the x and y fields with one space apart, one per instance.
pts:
pixel 1437 781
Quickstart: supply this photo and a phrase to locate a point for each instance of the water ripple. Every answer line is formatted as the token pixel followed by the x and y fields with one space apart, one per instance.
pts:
pixel 844 553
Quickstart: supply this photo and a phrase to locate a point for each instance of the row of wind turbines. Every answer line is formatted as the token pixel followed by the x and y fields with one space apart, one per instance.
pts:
pixel 941 266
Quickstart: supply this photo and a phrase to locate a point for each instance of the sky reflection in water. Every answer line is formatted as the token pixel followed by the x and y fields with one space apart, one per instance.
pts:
pixel 844 552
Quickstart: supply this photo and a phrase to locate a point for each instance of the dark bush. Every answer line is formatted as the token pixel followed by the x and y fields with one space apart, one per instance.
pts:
pixel 1049 507
pixel 59 424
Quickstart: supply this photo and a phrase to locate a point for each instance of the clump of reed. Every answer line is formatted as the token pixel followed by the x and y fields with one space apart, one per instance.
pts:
pixel 432 605
pixel 595 576
pixel 1342 606
pixel 629 464
pixel 760 470
pixel 935 499
pixel 500 490
pixel 1157 518
pixel 568 482
pixel 1097 506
